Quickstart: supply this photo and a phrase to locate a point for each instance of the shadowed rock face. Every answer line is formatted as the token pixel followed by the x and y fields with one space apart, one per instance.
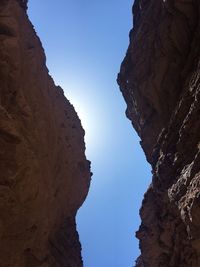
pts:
pixel 160 81
pixel 44 175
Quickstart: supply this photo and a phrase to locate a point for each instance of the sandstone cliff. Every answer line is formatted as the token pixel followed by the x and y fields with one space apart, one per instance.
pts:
pixel 44 175
pixel 160 81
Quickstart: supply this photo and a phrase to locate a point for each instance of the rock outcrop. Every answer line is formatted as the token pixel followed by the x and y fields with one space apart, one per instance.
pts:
pixel 160 81
pixel 44 174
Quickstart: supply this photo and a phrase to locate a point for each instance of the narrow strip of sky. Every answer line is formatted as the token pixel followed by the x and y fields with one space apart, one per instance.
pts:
pixel 85 42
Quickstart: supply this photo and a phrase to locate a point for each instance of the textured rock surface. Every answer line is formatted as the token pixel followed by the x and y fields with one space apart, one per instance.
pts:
pixel 44 175
pixel 160 81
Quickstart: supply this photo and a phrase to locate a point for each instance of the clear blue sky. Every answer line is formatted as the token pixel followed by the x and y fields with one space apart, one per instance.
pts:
pixel 85 42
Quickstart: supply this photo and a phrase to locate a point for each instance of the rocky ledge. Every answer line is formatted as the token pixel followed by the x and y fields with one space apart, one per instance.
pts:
pixel 44 174
pixel 160 81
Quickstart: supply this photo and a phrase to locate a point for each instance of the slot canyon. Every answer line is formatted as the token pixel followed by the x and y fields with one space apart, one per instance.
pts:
pixel 44 173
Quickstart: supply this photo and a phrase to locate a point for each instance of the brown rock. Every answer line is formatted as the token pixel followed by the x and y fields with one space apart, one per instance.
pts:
pixel 44 175
pixel 160 81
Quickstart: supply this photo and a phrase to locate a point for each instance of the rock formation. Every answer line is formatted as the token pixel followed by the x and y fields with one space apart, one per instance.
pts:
pixel 44 175
pixel 160 81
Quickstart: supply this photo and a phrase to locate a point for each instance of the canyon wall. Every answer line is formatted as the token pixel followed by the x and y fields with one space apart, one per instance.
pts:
pixel 160 81
pixel 44 174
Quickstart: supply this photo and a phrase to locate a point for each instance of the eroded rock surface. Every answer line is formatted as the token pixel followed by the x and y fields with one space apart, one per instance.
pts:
pixel 160 81
pixel 44 175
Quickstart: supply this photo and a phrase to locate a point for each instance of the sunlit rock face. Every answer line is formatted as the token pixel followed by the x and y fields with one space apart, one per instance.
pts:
pixel 44 174
pixel 160 81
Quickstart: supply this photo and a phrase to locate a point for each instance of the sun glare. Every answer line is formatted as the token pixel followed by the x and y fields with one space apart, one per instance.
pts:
pixel 90 117
pixel 86 119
